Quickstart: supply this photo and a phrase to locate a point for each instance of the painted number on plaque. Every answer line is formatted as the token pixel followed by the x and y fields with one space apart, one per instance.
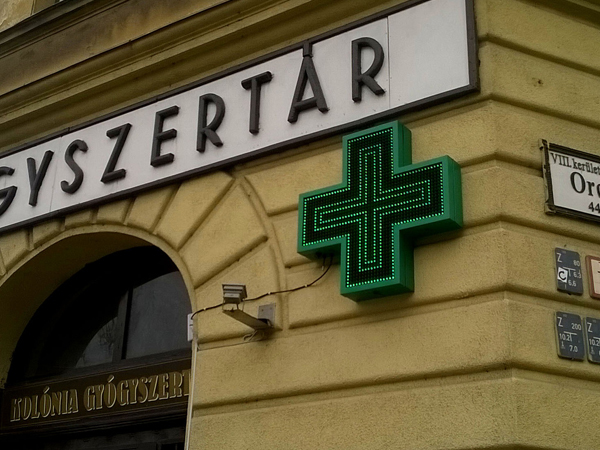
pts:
pixel 569 333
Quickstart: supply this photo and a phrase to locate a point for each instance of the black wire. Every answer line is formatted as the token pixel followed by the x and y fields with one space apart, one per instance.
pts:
pixel 293 289
pixel 271 293
pixel 206 309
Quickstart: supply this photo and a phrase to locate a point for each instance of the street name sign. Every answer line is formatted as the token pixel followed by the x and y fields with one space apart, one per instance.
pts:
pixel 572 180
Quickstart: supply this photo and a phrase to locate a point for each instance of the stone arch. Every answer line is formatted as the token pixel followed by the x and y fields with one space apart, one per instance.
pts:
pixel 39 272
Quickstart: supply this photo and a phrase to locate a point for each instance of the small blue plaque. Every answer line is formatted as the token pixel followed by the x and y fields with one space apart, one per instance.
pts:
pixel 569 333
pixel 592 331
pixel 568 271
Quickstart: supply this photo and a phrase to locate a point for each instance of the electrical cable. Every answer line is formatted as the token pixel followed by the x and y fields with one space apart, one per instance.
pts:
pixel 206 309
pixel 293 289
pixel 273 292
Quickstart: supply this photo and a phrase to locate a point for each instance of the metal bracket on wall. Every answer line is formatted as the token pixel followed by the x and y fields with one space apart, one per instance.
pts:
pixel 190 327
pixel 264 321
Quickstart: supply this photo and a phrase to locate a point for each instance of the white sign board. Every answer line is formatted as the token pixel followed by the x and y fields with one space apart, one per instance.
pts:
pixel 573 181
pixel 418 54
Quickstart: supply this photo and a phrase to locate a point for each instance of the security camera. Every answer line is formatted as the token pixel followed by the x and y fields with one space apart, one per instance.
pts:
pixel 234 293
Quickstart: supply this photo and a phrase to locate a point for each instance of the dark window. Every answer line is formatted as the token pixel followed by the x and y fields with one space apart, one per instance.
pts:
pixel 150 312
pixel 176 446
pixel 164 436
pixel 128 305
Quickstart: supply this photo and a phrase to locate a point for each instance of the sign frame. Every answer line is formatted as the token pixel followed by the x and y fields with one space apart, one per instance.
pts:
pixel 550 204
pixel 317 134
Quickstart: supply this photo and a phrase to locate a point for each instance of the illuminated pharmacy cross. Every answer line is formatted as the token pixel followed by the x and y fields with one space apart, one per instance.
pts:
pixel 382 203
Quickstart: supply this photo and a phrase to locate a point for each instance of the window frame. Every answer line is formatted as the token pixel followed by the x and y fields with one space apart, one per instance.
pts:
pixel 31 345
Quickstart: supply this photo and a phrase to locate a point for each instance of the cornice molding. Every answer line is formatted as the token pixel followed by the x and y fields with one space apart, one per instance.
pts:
pixel 192 48
pixel 584 10
pixel 51 20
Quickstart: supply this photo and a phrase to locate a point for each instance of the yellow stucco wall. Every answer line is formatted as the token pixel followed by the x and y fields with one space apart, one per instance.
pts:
pixel 14 11
pixel 467 361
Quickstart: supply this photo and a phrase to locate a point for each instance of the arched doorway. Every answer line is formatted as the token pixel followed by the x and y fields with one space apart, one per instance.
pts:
pixel 104 363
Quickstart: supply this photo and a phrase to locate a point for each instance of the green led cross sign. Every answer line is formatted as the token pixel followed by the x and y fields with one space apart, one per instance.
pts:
pixel 383 203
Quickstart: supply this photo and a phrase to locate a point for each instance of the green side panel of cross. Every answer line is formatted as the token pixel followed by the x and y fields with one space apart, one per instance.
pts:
pixel 382 204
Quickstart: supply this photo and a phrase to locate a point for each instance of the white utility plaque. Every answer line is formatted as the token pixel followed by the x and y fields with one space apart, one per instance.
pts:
pixel 593 269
